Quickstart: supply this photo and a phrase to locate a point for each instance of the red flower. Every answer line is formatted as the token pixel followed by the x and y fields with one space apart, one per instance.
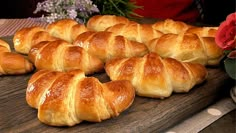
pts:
pixel 226 33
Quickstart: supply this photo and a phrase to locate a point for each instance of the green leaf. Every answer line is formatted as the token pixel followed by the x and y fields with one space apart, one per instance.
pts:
pixel 230 67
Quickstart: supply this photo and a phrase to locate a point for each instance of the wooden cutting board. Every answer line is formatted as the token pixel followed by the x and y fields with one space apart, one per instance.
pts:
pixel 144 115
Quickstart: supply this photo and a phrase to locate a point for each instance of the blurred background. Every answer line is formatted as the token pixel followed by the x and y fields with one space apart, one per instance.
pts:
pixel 215 11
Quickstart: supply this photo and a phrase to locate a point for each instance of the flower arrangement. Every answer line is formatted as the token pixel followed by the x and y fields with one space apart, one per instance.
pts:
pixel 226 39
pixel 82 10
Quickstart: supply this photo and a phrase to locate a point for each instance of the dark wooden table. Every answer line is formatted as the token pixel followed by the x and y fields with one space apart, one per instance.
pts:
pixel 145 114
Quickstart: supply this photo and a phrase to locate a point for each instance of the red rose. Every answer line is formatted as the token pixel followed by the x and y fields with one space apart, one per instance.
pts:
pixel 226 33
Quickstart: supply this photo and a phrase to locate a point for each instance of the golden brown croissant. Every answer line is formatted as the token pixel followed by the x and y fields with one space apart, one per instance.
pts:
pixel 136 32
pixel 63 56
pixel 106 45
pixel 25 38
pixel 171 26
pixel 203 31
pixel 66 29
pixel 155 77
pixel 12 63
pixel 187 47
pixel 101 22
pixel 177 27
pixel 68 98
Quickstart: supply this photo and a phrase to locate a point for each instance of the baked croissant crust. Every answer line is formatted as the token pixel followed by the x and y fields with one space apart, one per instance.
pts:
pixel 177 27
pixel 66 29
pixel 187 47
pixel 102 22
pixel 68 98
pixel 203 31
pixel 106 45
pixel 25 38
pixel 137 32
pixel 171 26
pixel 62 56
pixel 4 46
pixel 155 77
pixel 13 63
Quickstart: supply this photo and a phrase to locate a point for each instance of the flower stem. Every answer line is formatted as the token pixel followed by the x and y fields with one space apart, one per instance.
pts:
pixel 116 8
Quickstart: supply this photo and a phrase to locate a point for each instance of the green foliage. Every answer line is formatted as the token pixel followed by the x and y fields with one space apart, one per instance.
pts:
pixel 230 67
pixel 117 7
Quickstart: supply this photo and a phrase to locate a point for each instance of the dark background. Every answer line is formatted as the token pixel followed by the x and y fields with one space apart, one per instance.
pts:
pixel 215 10
pixel 18 8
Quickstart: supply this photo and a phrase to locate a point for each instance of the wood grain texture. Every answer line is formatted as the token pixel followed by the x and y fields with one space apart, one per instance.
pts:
pixel 145 114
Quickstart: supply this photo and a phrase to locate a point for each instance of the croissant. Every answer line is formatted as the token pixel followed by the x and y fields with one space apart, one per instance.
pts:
pixel 68 98
pixel 106 45
pixel 187 47
pixel 171 26
pixel 4 46
pixel 25 38
pixel 155 77
pixel 102 22
pixel 62 56
pixel 203 31
pixel 177 27
pixel 66 29
pixel 136 32
pixel 12 63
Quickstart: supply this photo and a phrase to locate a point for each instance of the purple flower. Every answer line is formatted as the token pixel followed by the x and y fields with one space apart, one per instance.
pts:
pixel 79 10
pixel 72 14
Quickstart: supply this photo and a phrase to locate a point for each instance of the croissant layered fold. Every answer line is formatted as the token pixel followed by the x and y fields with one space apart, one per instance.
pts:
pixel 177 27
pixel 68 98
pixel 155 77
pixel 171 26
pixel 62 56
pixel 203 31
pixel 137 32
pixel 101 22
pixel 106 45
pixel 13 63
pixel 26 38
pixel 187 47
pixel 66 29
